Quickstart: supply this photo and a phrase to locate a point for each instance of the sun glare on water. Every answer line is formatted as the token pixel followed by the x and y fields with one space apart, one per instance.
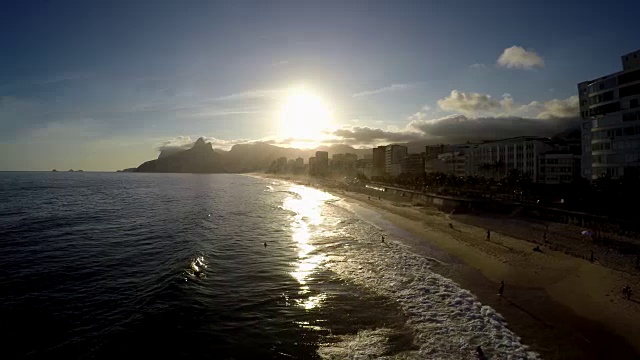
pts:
pixel 304 116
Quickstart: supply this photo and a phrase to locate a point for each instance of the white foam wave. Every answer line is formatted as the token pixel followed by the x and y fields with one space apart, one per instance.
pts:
pixel 449 321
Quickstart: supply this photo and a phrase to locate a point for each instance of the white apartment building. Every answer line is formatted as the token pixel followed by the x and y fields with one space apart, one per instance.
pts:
pixel 496 158
pixel 610 111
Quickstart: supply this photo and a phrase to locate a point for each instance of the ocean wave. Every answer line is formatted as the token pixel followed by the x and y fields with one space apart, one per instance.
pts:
pixel 449 321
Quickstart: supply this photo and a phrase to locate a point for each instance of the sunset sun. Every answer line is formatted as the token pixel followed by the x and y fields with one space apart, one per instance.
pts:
pixel 304 115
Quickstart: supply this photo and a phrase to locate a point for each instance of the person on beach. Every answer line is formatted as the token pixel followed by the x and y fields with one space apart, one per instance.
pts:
pixel 383 239
pixel 480 353
pixel 265 244
pixel 488 235
pixel 627 291
pixel 501 289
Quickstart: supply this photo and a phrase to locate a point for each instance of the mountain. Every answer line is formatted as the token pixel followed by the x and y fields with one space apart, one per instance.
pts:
pixel 202 158
pixel 199 159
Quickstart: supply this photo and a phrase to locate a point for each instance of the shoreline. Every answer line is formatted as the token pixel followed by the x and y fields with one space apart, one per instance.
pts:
pixel 561 306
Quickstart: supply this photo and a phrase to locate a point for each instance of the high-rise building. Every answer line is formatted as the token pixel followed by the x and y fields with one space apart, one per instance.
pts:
pixel 312 166
pixel 610 111
pixel 322 163
pixel 432 151
pixel 344 164
pixel 378 167
pixel 412 164
pixel 393 155
pixel 282 164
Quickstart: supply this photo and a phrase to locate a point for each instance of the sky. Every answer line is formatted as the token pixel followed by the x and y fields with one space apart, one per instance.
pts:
pixel 102 85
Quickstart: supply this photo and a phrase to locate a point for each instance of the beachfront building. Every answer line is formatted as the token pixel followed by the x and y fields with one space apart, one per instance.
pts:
pixel 454 163
pixel 322 163
pixel 312 166
pixel 344 164
pixel 494 159
pixel 412 164
pixel 393 155
pixel 432 151
pixel 281 165
pixel 298 166
pixel 610 111
pixel 364 167
pixel 558 168
pixel 378 165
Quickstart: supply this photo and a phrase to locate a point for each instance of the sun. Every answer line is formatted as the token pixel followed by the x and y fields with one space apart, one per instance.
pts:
pixel 304 116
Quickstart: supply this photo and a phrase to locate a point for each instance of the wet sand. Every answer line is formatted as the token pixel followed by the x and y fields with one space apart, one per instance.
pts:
pixel 562 306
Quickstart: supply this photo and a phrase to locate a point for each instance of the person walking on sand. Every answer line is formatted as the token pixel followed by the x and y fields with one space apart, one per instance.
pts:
pixel 480 354
pixel 382 239
pixel 501 289
pixel 488 235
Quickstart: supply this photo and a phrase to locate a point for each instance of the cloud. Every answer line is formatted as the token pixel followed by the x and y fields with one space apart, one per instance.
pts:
pixel 468 103
pixel 186 142
pixel 386 89
pixel 221 112
pixel 516 57
pixel 422 114
pixel 366 135
pixel 476 105
pixel 251 95
pixel 556 108
pixel 460 128
pixel 280 63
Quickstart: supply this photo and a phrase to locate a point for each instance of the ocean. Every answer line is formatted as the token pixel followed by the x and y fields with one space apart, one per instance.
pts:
pixel 105 265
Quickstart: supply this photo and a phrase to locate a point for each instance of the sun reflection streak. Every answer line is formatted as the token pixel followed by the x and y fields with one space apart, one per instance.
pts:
pixel 307 204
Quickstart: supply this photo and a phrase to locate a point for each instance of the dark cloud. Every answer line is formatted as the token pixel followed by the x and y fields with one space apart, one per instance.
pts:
pixel 460 127
pixel 366 135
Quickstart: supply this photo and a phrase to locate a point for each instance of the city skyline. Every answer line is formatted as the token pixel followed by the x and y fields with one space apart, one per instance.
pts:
pixel 79 91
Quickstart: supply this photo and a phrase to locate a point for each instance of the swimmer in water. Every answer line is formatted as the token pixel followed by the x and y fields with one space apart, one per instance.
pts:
pixel 265 244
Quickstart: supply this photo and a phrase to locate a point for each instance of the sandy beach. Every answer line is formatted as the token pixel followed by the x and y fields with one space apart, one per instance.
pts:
pixel 562 305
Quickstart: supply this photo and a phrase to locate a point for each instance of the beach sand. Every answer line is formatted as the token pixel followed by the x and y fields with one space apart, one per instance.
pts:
pixel 560 304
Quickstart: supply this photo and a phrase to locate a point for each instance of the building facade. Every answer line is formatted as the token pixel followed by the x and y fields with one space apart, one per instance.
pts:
pixel 344 164
pixel 322 163
pixel 393 155
pixel 378 165
pixel 412 164
pixel 312 166
pixel 364 167
pixel 610 112
pixel 558 168
pixel 496 158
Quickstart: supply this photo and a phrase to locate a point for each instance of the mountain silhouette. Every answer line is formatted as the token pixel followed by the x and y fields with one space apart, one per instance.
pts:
pixel 199 159
pixel 241 158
